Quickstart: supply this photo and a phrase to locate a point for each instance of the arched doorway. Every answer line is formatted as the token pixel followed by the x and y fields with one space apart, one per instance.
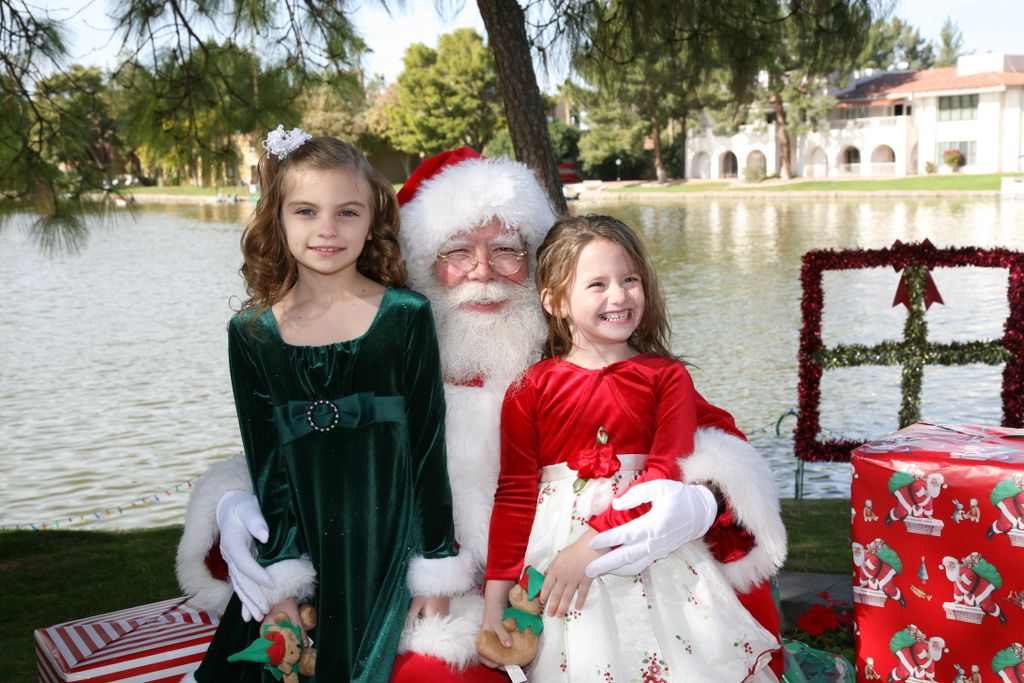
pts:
pixel 849 161
pixel 757 166
pixel 728 167
pixel 883 161
pixel 700 166
pixel 816 165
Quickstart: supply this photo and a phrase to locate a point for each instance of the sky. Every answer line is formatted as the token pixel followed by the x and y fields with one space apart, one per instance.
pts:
pixel 986 25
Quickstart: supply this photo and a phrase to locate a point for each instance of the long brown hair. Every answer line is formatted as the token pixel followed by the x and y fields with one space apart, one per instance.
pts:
pixel 269 269
pixel 557 257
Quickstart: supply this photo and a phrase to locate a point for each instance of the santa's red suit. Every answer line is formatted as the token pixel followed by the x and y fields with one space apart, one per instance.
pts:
pixel 914 661
pixel 1012 674
pixel 448 195
pixel 915 500
pixel 974 590
pixel 1011 514
pixel 878 575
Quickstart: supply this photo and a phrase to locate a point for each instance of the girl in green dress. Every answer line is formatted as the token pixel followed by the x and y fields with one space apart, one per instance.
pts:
pixel 337 387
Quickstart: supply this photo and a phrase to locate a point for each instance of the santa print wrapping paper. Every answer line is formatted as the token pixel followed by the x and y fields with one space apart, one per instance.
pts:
pixel 162 641
pixel 938 554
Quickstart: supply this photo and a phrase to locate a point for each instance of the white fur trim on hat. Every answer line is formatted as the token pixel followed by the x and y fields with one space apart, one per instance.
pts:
pixel 443 576
pixel 200 533
pixel 467 195
pixel 747 483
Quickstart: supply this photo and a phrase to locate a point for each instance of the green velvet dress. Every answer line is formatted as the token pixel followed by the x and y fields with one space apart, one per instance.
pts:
pixel 345 447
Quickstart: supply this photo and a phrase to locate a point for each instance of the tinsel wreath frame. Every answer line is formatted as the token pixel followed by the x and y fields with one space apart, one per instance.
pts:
pixel 915 260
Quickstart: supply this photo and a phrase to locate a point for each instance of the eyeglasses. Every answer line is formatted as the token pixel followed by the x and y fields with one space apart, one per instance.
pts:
pixel 505 263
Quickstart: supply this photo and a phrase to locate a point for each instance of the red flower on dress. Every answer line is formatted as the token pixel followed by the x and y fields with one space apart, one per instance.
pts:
pixel 817 620
pixel 593 463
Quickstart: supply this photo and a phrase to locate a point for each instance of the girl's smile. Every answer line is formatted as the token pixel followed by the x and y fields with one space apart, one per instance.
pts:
pixel 326 219
pixel 604 304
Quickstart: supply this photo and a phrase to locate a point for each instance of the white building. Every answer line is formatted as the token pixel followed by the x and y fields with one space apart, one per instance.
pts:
pixel 892 123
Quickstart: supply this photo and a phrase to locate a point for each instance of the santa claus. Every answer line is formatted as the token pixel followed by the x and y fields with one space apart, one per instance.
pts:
pixel 1008 497
pixel 470 228
pixel 916 655
pixel 1008 664
pixel 878 565
pixel 975 581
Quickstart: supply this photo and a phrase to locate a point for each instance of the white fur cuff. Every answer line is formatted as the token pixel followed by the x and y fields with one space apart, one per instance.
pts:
pixel 451 638
pixel 747 483
pixel 200 533
pixel 444 576
pixel 292 579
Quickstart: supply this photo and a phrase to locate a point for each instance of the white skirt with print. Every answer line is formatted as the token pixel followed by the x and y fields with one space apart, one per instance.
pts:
pixel 678 620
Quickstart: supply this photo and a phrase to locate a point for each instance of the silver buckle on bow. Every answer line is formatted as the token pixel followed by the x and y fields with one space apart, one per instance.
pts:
pixel 334 421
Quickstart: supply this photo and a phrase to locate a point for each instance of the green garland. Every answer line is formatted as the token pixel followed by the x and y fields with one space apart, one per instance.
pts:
pixel 914 352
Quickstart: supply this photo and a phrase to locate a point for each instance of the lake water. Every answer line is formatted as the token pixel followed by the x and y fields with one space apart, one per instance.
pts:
pixel 114 390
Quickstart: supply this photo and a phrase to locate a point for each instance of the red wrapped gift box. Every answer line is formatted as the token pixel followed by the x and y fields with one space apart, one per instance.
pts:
pixel 162 641
pixel 938 552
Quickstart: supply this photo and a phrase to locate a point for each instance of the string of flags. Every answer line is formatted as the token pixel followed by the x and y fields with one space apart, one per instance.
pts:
pixel 100 515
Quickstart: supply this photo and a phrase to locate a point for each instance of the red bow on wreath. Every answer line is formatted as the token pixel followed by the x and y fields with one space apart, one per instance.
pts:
pixel 594 463
pixel 931 291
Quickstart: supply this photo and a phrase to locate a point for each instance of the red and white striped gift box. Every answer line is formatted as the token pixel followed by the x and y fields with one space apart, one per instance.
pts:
pixel 162 641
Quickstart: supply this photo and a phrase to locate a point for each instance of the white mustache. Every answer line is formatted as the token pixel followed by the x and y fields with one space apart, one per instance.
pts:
pixel 479 292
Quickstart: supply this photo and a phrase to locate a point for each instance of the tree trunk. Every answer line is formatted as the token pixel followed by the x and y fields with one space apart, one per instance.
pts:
pixel 682 143
pixel 782 138
pixel 524 108
pixel 659 162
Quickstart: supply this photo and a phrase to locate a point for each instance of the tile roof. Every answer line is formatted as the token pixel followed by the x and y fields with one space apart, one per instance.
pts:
pixel 889 86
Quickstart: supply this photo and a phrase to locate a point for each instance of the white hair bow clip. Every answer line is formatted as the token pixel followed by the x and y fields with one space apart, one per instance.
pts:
pixel 281 142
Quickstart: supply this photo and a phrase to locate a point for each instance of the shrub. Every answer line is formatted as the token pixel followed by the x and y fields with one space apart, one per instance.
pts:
pixel 753 173
pixel 953 158
pixel 930 167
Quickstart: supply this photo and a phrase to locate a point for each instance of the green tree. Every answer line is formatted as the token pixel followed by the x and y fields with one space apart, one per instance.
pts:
pixel 446 97
pixel 951 43
pixel 32 44
pixel 76 126
pixel 565 141
pixel 185 117
pixel 798 53
pixel 340 108
pixel 891 41
pixel 647 84
pixel 506 24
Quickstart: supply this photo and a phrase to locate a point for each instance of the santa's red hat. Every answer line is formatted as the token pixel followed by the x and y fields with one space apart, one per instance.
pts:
pixel 459 190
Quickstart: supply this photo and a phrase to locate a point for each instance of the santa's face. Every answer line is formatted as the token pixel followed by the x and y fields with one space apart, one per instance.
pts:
pixel 490 254
pixel 489 325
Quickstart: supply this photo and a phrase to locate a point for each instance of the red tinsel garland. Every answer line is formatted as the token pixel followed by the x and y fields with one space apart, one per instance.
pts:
pixel 806 444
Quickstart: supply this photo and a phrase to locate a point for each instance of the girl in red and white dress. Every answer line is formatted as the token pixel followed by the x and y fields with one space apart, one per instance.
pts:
pixel 609 406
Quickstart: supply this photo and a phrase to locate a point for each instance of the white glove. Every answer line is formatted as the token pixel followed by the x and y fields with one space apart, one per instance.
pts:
pixel 240 520
pixel 679 514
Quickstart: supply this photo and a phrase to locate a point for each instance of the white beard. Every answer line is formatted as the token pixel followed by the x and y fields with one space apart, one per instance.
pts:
pixel 495 346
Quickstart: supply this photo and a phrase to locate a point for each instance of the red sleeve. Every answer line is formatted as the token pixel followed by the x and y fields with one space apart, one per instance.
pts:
pixel 712 416
pixel 727 540
pixel 674 426
pixel 515 501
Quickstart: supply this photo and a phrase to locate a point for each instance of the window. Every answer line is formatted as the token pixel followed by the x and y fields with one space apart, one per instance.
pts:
pixel 958 108
pixel 847 113
pixel 969 148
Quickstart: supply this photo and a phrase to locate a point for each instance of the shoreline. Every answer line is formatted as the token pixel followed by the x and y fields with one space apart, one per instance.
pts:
pixel 602 197
pixel 618 192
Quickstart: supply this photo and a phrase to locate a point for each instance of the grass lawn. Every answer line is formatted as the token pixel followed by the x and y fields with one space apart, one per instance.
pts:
pixel 920 183
pixel 54 576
